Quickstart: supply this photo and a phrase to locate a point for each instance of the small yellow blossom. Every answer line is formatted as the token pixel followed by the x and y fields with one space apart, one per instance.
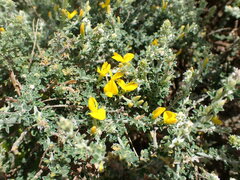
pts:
pixel 93 130
pixel 155 42
pixel 169 117
pixel 49 14
pixel 127 87
pixel 96 113
pixel 82 29
pixel 2 29
pixel 106 4
pixel 101 167
pixel 127 57
pixel 216 120
pixel 68 14
pixel 104 69
pixel 111 88
pixel 157 112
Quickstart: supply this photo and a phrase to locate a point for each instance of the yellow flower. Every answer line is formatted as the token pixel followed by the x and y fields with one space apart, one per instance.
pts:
pixel 127 87
pixel 127 57
pixel 155 42
pixel 93 130
pixel 104 69
pixel 96 113
pixel 216 120
pixel 104 5
pixel 157 112
pixel 82 29
pixel 2 29
pixel 169 117
pixel 111 88
pixel 68 14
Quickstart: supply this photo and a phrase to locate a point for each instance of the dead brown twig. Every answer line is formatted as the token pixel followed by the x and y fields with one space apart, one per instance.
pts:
pixel 16 84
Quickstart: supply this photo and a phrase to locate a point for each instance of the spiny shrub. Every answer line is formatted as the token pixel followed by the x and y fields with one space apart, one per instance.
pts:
pixel 121 89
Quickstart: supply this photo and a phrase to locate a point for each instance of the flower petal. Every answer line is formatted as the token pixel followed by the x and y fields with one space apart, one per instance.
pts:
pixel 71 15
pixel 99 114
pixel 117 76
pixel 131 86
pixel 169 117
pixel 128 57
pixel 121 83
pixel 92 104
pixel 216 120
pixel 104 69
pixel 110 88
pixel 127 87
pixel 157 112
pixel 117 57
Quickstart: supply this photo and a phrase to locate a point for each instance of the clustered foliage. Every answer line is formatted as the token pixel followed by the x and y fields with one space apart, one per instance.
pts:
pixel 64 113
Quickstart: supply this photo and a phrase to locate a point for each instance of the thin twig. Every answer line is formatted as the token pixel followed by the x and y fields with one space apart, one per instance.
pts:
pixel 35 31
pixel 16 144
pixel 61 106
pixel 219 30
pixel 131 143
pixel 40 163
pixel 53 99
pixel 16 84
pixel 38 174
pixel 126 18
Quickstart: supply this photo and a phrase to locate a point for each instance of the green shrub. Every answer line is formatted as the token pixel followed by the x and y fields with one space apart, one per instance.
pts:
pixel 152 112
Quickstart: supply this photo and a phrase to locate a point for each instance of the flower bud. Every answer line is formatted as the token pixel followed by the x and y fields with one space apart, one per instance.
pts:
pixel 221 102
pixel 136 98
pixel 93 130
pixel 82 29
pixel 140 102
pixel 145 105
pixel 130 104
pixel 219 93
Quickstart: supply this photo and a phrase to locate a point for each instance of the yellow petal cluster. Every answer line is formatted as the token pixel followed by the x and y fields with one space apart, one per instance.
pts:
pixel 2 29
pixel 104 69
pixel 131 86
pixel 96 113
pixel 169 117
pixel 110 88
pixel 216 120
pixel 68 14
pixel 155 42
pixel 157 112
pixel 106 4
pixel 126 58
